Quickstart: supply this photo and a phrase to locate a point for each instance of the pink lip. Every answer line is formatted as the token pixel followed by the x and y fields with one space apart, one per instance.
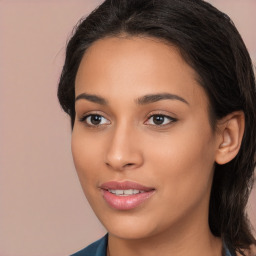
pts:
pixel 124 185
pixel 125 202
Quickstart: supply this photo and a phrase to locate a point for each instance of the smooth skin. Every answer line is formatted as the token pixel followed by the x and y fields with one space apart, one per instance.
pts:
pixel 166 143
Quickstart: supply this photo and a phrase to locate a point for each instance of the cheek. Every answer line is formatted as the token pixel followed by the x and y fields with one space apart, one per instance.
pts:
pixel 86 155
pixel 183 162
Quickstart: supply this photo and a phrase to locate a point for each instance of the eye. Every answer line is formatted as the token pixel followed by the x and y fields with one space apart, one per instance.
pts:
pixel 160 120
pixel 94 120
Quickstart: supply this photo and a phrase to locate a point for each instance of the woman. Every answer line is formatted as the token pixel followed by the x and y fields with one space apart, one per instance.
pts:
pixel 161 96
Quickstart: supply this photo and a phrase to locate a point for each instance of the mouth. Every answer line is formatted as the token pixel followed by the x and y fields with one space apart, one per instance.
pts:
pixel 125 195
pixel 126 192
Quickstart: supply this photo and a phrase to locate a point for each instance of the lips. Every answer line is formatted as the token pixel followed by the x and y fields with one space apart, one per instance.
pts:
pixel 125 195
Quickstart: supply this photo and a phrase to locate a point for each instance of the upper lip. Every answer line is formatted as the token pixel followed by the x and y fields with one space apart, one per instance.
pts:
pixel 116 185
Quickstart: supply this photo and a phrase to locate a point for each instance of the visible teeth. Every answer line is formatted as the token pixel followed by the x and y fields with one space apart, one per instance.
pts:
pixel 126 192
pixel 131 191
pixel 119 192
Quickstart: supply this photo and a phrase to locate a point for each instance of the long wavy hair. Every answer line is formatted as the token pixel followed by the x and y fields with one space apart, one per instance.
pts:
pixel 209 42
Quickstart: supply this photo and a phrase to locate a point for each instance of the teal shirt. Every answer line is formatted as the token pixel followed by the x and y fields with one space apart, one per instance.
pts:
pixel 99 248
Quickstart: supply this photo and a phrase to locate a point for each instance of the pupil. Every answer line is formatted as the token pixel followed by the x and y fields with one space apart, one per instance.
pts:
pixel 158 119
pixel 95 119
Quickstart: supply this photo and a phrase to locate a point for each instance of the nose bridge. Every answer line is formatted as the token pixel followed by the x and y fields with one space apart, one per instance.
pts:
pixel 123 151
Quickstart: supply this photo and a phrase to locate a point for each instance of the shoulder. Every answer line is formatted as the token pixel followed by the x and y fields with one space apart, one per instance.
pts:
pixel 97 248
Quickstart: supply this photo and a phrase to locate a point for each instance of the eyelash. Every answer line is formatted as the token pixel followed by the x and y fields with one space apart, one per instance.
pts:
pixel 84 118
pixel 170 120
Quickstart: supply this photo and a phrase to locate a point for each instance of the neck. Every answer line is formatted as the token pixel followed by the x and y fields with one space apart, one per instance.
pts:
pixel 182 240
pixel 149 247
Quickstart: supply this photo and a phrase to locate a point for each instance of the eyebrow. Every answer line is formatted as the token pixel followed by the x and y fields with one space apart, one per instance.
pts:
pixel 92 97
pixel 151 98
pixel 146 99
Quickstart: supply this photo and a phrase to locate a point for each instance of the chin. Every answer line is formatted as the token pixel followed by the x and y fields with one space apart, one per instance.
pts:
pixel 130 233
pixel 129 226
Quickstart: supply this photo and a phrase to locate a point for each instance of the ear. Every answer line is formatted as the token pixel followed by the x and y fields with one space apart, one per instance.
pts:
pixel 230 132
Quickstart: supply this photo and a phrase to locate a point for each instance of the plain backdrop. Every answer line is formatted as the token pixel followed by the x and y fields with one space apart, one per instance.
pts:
pixel 43 211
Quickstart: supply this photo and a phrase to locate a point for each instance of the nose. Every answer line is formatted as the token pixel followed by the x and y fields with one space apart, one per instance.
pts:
pixel 124 149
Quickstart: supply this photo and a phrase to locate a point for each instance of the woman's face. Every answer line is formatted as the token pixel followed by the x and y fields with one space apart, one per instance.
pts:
pixel 142 143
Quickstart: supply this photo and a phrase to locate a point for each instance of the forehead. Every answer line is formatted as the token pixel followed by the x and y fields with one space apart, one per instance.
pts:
pixel 138 65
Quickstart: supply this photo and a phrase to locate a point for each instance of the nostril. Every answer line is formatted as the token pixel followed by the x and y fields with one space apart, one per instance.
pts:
pixel 129 164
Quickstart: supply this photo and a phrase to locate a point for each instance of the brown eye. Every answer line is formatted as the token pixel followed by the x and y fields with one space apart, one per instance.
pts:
pixel 160 120
pixel 94 120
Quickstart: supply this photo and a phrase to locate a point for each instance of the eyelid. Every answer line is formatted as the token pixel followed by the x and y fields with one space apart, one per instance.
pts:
pixel 83 118
pixel 168 116
pixel 159 113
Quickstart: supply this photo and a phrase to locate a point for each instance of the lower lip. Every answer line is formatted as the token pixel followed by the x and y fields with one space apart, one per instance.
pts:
pixel 126 202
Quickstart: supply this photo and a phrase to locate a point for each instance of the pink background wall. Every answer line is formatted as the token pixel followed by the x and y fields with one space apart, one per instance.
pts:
pixel 42 208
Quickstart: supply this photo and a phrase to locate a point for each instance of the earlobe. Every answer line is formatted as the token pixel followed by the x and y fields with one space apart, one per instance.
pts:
pixel 229 138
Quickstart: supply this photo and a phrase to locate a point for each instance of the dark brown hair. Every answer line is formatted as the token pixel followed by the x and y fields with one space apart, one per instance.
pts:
pixel 212 46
